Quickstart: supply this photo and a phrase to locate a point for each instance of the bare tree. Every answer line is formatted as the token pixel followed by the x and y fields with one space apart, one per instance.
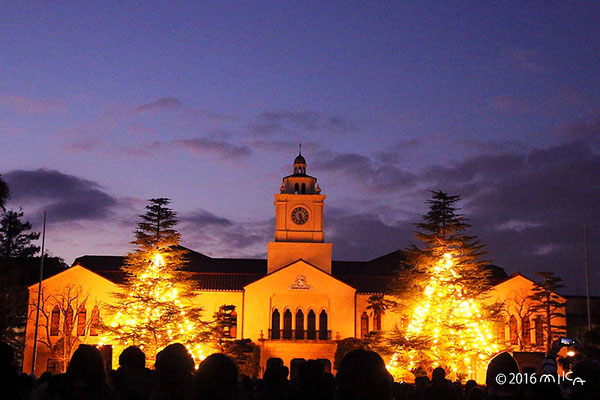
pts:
pixel 64 322
pixel 523 308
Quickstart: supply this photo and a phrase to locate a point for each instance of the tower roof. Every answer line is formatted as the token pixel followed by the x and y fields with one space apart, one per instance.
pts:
pixel 299 160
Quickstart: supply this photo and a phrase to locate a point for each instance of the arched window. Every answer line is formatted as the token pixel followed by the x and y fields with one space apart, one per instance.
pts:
pixel 287 324
pixel 377 321
pixel 539 330
pixel 526 328
pixel 296 188
pixel 364 325
pixel 303 188
pixel 299 325
pixel 311 326
pixel 81 314
pixel 323 326
pixel 68 324
pixel 95 321
pixel 275 333
pixel 501 331
pixel 54 321
pixel 233 328
pixel 512 323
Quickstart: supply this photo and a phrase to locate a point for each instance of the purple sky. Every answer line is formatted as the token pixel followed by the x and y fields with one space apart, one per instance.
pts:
pixel 105 105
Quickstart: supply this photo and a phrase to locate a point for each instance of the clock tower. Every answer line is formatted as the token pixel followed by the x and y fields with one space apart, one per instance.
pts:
pixel 299 222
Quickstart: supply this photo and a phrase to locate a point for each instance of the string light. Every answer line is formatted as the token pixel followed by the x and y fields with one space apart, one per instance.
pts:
pixel 451 322
pixel 153 314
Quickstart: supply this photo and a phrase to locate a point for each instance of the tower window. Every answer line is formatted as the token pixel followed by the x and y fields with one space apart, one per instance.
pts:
pixel 296 188
pixel 303 188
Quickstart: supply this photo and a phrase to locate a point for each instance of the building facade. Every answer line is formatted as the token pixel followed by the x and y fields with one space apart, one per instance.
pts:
pixel 295 305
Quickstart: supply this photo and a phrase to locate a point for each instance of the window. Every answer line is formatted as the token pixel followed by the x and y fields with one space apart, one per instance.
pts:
pixel 377 321
pixel 275 334
pixel 303 188
pixel 68 324
pixel 296 188
pixel 526 328
pixel 81 314
pixel 539 330
pixel 54 321
pixel 323 326
pixel 311 328
pixel 287 324
pixel 500 332
pixel 299 325
pixel 233 328
pixel 95 322
pixel 364 324
pixel 512 323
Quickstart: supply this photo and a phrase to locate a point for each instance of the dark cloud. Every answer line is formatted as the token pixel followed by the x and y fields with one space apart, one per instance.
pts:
pixel 531 207
pixel 282 122
pixel 222 149
pixel 364 236
pixel 221 237
pixel 65 197
pixel 378 177
pixel 164 103
pixel 204 218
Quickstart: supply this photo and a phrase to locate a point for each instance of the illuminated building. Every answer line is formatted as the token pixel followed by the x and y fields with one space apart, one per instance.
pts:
pixel 295 304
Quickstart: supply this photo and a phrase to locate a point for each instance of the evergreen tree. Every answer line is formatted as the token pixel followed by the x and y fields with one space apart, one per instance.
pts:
pixel 446 323
pixel 547 303
pixel 155 306
pixel 224 327
pixel 15 241
pixel 4 194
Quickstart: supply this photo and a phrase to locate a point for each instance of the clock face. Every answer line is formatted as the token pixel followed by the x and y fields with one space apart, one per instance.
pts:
pixel 300 215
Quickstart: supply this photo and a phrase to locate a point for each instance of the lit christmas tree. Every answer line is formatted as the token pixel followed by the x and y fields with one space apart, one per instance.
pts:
pixel 446 323
pixel 155 308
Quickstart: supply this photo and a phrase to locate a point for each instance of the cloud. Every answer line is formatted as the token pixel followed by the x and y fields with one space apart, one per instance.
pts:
pixel 27 105
pixel 218 236
pixel 205 218
pixel 65 197
pixel 530 207
pixel 164 103
pixel 378 177
pixel 286 121
pixel 220 148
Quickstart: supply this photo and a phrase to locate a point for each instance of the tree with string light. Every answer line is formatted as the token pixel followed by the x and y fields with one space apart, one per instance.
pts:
pixel 155 307
pixel 440 295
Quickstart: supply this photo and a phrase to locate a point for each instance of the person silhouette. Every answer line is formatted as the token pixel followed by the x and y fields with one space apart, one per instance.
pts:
pixel 217 378
pixel 363 376
pixel 174 366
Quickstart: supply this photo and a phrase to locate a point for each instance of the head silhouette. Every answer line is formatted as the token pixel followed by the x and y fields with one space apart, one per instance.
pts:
pixel 174 363
pixel 504 364
pixel 363 376
pixel 87 365
pixel 132 359
pixel 217 378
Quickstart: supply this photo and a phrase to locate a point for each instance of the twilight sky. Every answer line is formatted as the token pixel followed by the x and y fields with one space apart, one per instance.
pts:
pixel 103 105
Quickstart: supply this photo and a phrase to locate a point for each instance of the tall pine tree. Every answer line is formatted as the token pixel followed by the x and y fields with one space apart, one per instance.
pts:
pixel 446 323
pixel 15 241
pixel 155 307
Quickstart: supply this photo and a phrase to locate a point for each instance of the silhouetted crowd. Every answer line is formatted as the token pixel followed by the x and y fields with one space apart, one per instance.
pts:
pixel 362 376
